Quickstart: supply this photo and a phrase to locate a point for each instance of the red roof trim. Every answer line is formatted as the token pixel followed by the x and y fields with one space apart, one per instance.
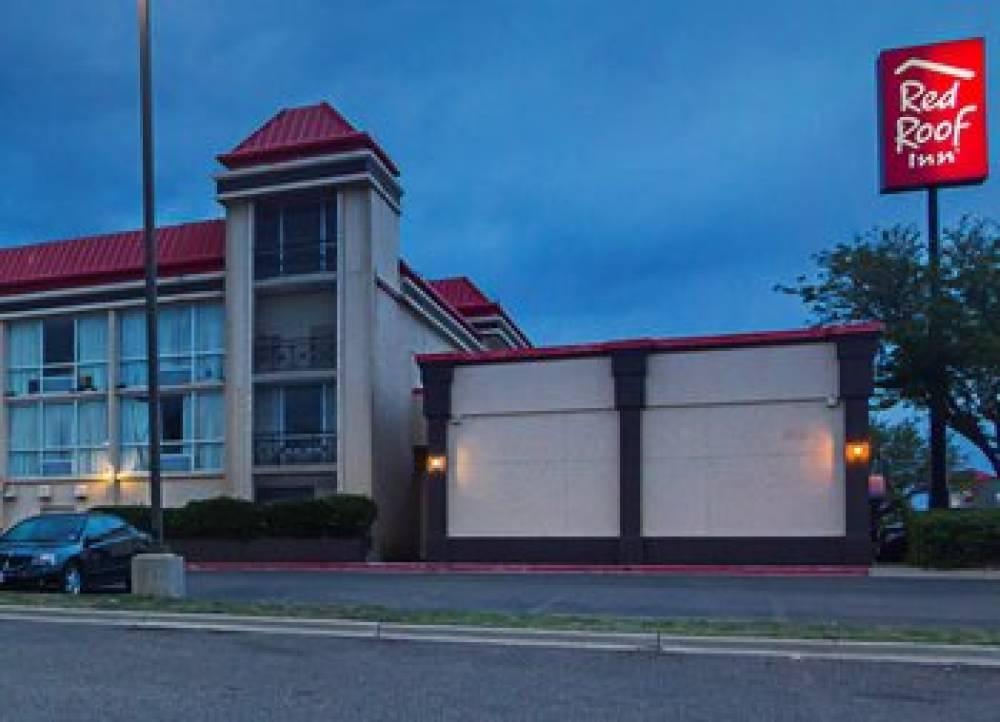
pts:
pixel 689 343
pixel 187 248
pixel 294 133
pixel 472 303
pixel 406 272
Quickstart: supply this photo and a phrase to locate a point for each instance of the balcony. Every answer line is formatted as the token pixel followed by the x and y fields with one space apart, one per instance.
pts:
pixel 295 449
pixel 294 259
pixel 280 355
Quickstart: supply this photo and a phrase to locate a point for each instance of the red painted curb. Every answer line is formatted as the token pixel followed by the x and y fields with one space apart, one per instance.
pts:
pixel 731 570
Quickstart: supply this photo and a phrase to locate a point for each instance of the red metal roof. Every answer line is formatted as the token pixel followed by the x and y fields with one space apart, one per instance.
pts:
pixel 470 301
pixel 299 133
pixel 684 343
pixel 428 288
pixel 460 291
pixel 197 247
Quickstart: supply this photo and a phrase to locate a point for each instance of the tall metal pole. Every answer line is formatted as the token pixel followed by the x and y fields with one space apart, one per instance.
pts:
pixel 938 446
pixel 149 240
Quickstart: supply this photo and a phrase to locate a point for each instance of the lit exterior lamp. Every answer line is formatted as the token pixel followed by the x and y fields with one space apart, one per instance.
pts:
pixel 436 464
pixel 858 452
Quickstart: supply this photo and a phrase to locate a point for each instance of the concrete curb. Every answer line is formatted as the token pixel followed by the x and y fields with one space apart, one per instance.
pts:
pixel 730 570
pixel 649 642
pixel 893 572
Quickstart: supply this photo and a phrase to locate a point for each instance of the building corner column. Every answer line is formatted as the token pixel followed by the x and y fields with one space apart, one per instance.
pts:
pixel 856 357
pixel 629 371
pixel 434 503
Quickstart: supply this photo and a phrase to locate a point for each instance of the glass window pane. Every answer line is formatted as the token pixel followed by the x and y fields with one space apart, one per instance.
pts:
pixel 92 419
pixel 172 418
pixel 303 409
pixel 58 340
pixel 175 330
pixel 92 345
pixel 57 425
pixel 24 430
pixel 24 344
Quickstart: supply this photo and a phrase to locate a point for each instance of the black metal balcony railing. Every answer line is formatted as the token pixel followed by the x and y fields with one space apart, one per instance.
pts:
pixel 291 449
pixel 295 258
pixel 272 355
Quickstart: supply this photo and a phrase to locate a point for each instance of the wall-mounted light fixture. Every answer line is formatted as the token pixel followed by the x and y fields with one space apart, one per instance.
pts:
pixel 437 463
pixel 858 452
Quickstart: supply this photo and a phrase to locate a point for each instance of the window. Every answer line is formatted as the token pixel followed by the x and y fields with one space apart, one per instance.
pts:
pixel 295 424
pixel 100 527
pixel 191 339
pixel 295 238
pixel 62 354
pixel 67 438
pixel 192 432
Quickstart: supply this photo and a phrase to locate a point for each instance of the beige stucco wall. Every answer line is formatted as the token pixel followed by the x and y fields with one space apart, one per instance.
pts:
pixel 743 442
pixel 533 450
pixel 23 497
pixel 239 349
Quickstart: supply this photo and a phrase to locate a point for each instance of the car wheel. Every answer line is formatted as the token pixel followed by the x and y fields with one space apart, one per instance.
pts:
pixel 72 579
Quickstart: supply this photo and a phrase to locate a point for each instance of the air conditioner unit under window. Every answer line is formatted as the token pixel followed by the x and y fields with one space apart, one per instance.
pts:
pixel 45 492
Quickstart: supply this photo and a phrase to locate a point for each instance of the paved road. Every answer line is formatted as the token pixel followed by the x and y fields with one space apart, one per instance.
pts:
pixel 55 673
pixel 861 600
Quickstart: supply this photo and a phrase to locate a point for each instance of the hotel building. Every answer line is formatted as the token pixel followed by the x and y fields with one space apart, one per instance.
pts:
pixel 288 330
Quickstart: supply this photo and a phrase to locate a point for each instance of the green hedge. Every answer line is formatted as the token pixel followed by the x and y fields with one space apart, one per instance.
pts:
pixel 343 515
pixel 948 539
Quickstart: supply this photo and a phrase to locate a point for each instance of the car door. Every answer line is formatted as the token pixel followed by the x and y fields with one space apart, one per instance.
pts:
pixel 121 541
pixel 97 557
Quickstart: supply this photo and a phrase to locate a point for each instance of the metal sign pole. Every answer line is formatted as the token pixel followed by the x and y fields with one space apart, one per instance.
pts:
pixel 149 240
pixel 938 447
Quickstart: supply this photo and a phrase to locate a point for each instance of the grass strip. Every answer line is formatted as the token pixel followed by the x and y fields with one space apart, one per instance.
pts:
pixel 684 626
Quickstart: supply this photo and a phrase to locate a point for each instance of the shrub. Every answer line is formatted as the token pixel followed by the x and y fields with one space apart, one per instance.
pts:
pixel 342 515
pixel 948 539
pixel 222 518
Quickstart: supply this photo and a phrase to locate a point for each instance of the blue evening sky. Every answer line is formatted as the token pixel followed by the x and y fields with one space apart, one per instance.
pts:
pixel 603 169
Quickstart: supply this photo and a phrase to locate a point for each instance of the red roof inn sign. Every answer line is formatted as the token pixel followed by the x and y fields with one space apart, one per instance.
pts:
pixel 933 115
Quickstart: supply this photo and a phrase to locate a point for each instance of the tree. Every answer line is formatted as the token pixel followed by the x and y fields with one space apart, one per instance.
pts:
pixel 902 454
pixel 883 275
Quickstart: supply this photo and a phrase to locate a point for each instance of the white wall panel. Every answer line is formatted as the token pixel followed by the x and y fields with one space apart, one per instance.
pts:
pixel 545 475
pixel 743 374
pixel 772 469
pixel 533 386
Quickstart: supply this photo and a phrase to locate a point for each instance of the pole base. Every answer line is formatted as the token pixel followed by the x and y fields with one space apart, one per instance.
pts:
pixel 158 575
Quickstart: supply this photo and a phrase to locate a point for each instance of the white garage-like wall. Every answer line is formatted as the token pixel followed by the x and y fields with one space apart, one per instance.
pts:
pixel 533 450
pixel 743 442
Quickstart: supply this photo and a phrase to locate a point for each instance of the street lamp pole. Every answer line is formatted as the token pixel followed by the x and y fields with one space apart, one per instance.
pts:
pixel 149 241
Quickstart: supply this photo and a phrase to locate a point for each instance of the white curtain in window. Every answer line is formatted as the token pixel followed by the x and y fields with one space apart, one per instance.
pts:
pixel 175 344
pixel 92 434
pixel 175 330
pixel 209 341
pixel 134 429
pixel 92 351
pixel 24 440
pixel 132 347
pixel 24 349
pixel 57 425
pixel 92 338
pixel 210 427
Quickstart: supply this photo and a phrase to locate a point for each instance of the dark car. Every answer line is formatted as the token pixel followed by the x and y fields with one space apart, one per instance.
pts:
pixel 69 552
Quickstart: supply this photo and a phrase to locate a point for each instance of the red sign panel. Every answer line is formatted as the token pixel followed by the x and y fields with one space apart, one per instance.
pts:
pixel 932 126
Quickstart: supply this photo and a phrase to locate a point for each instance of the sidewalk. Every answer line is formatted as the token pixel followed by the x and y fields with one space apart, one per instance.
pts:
pixel 895 652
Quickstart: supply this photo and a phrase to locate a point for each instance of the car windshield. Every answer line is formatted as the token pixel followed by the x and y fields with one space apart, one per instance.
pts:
pixel 46 529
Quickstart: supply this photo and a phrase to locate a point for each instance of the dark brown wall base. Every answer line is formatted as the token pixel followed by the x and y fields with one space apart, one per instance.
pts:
pixel 271 550
pixel 673 550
